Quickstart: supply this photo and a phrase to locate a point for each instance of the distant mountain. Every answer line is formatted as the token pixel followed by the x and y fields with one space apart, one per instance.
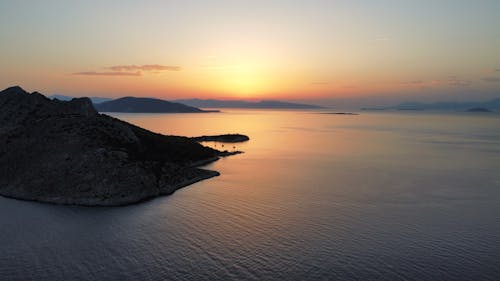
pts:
pixel 456 106
pixel 145 105
pixel 68 98
pixel 271 104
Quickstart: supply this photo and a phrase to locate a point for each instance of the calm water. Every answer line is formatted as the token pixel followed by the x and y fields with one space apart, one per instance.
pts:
pixel 392 196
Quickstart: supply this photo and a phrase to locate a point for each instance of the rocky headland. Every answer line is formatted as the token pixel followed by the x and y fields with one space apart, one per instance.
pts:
pixel 65 152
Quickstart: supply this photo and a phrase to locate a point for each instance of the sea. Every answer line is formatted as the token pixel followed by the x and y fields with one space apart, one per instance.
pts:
pixel 375 196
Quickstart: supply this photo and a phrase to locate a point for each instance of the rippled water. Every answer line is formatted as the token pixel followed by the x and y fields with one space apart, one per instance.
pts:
pixel 386 196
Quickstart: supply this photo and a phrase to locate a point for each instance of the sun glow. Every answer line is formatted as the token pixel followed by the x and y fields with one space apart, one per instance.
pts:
pixel 240 79
pixel 245 80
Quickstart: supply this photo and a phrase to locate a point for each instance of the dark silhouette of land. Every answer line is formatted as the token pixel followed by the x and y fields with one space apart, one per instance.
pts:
pixel 65 152
pixel 228 138
pixel 451 106
pixel 478 109
pixel 153 103
pixel 94 100
pixel 145 105
pixel 339 113
pixel 269 104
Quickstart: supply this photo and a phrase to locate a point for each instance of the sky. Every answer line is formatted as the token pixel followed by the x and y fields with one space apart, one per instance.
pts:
pixel 320 51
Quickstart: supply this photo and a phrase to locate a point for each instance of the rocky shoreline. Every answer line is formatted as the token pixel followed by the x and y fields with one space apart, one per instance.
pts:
pixel 65 152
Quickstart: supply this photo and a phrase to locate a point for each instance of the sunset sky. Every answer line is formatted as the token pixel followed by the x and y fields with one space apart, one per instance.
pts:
pixel 291 50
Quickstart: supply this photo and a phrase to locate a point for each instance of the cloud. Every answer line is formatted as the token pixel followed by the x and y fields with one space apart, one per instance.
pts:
pixel 130 70
pixel 459 83
pixel 454 81
pixel 146 67
pixel 319 83
pixel 113 73
pixel 414 82
pixel 491 79
pixel 491 71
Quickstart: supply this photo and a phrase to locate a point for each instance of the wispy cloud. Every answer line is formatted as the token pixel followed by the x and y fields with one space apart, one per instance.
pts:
pixel 494 79
pixel 455 81
pixel 317 83
pixel 491 79
pixel 146 67
pixel 414 82
pixel 130 70
pixel 109 73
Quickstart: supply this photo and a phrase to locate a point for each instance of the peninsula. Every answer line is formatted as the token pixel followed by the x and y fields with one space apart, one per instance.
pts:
pixel 65 152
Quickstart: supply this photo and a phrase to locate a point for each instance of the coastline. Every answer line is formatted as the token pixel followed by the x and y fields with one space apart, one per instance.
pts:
pixel 202 174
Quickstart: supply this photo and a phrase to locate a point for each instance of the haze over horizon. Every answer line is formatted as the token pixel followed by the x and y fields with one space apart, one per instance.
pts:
pixel 315 51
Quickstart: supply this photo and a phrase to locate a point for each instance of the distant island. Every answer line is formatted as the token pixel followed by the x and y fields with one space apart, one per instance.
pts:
pixel 266 104
pixel 450 106
pixel 146 105
pixel 228 138
pixel 135 103
pixel 339 113
pixel 478 109
pixel 65 152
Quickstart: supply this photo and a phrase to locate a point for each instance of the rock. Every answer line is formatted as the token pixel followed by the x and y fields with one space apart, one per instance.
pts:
pixel 65 152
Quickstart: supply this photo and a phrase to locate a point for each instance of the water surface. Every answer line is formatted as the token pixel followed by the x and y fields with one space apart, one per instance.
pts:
pixel 376 196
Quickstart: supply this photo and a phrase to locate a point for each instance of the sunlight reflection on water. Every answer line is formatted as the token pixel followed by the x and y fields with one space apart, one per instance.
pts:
pixel 372 196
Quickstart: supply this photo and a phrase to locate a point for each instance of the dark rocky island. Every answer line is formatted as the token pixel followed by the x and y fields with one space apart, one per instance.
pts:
pixel 65 152
pixel 146 105
pixel 340 113
pixel 478 109
pixel 228 138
